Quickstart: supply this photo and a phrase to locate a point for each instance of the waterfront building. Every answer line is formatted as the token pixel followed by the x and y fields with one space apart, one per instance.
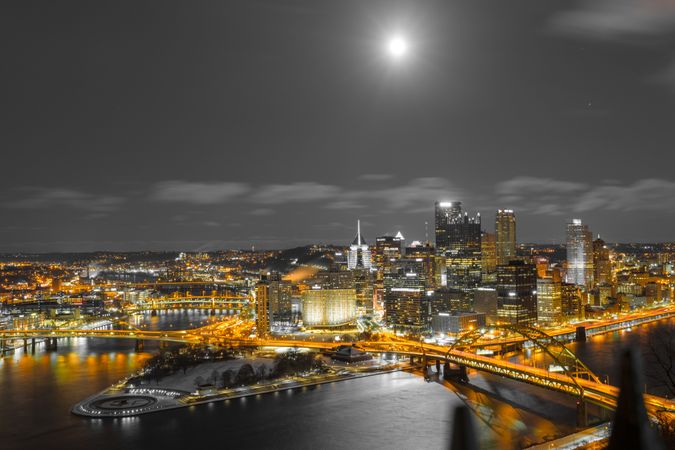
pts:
pixel 505 230
pixel 516 293
pixel 324 308
pixel 453 323
pixel 358 255
pixel 485 301
pixel 571 304
pixel 579 254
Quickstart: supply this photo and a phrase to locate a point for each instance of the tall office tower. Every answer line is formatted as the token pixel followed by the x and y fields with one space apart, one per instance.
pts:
pixel 505 230
pixel 279 294
pixel 262 309
pixel 488 246
pixel 387 250
pixel 424 253
pixel 359 253
pixel 549 301
pixel 446 213
pixel 579 254
pixel 364 282
pixel 602 265
pixel 458 238
pixel 406 305
pixel 516 293
pixel 571 305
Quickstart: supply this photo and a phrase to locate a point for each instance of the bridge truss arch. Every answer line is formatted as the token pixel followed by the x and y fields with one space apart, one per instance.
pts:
pixel 562 356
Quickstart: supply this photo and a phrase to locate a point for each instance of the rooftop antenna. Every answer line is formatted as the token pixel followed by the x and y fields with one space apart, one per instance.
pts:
pixel 426 231
pixel 358 231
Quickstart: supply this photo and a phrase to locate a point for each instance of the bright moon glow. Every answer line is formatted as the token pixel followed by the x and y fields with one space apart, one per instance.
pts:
pixel 397 47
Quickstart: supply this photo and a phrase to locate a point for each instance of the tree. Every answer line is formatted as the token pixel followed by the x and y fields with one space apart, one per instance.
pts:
pixel 228 377
pixel 246 375
pixel 661 357
pixel 262 372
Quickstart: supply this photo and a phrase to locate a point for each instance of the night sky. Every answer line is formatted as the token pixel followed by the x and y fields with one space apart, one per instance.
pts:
pixel 212 125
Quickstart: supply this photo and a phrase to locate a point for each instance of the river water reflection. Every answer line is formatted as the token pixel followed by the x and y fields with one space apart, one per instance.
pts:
pixel 396 410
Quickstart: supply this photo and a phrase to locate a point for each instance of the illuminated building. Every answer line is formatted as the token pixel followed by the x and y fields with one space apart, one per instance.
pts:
pixel 485 301
pixel 579 254
pixel 359 253
pixel 505 231
pixel 458 238
pixel 406 303
pixel 447 323
pixel 427 256
pixel 516 293
pixel 549 301
pixel 388 249
pixel 323 308
pixel 262 309
pixel 488 247
pixel 571 305
pixel 445 214
pixel 280 293
pixel 602 265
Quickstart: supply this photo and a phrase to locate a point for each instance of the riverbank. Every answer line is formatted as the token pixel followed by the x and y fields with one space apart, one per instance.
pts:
pixel 121 400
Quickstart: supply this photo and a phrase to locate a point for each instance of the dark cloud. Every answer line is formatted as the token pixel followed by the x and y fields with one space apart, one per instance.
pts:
pixel 198 193
pixel 45 198
pixel 557 197
pixel 617 19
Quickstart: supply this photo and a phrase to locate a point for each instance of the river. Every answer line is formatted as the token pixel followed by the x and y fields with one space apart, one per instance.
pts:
pixel 396 410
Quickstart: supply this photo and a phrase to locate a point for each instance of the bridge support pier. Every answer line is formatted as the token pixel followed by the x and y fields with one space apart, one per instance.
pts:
pixel 140 345
pixel 582 413
pixel 581 334
pixel 213 312
pixel 153 313
pixel 51 344
pixel 32 346
pixel 446 370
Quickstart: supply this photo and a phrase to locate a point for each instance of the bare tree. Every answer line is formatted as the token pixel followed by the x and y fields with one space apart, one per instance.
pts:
pixel 661 357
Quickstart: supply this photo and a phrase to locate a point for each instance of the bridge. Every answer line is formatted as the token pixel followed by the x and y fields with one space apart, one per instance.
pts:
pixel 591 327
pixel 572 378
pixel 211 302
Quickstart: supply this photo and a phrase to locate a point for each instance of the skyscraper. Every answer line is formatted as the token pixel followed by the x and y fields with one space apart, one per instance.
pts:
pixel 458 238
pixel 359 253
pixel 579 254
pixel 516 293
pixel 488 246
pixel 446 213
pixel 505 230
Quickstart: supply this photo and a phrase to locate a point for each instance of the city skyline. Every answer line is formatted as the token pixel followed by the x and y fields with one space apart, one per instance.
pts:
pixel 172 135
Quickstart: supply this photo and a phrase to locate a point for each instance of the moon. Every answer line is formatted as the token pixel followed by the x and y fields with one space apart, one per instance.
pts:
pixel 397 47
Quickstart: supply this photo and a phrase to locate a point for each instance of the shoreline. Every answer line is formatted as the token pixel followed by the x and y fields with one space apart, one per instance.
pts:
pixel 147 400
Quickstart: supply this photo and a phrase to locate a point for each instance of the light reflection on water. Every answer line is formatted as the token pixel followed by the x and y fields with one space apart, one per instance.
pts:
pixel 395 410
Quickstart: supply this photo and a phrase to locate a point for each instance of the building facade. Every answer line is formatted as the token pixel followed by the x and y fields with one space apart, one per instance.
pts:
pixel 579 254
pixel 505 231
pixel 517 293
